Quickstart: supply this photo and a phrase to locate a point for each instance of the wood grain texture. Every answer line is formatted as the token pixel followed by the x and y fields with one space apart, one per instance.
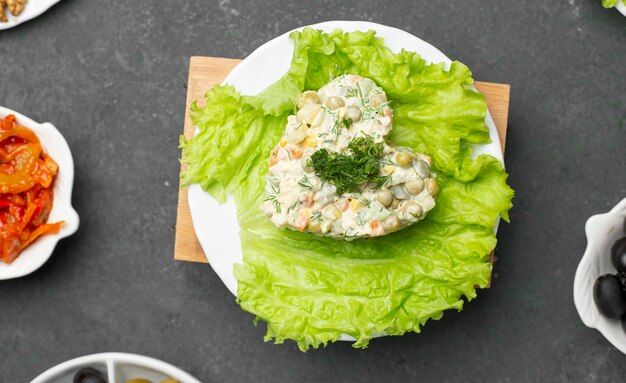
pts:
pixel 204 72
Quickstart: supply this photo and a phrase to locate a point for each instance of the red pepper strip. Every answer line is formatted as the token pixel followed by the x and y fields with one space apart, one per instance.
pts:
pixel 10 249
pixel 10 156
pixel 8 122
pixel 22 179
pixel 48 228
pixel 20 132
pixel 16 199
pixel 4 203
pixel 31 206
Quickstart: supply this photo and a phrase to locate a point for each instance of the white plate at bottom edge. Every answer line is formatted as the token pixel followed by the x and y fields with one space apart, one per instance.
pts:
pixel 118 367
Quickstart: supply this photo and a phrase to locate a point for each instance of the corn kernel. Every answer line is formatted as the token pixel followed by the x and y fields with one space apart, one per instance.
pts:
pixel 356 205
pixel 388 169
pixel 310 142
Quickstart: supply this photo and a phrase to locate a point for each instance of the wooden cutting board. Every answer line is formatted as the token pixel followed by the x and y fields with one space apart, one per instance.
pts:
pixel 204 72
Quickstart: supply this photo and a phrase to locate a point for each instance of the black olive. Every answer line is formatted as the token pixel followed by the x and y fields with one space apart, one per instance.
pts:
pixel 609 296
pixel 618 254
pixel 622 279
pixel 89 375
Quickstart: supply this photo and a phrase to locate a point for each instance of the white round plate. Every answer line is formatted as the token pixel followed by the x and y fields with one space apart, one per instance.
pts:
pixel 621 7
pixel 33 9
pixel 216 225
pixel 118 367
pixel 53 143
pixel 602 231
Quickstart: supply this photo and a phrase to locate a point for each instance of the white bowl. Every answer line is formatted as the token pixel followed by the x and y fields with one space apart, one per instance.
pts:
pixel 118 367
pixel 621 7
pixel 53 143
pixel 602 231
pixel 216 224
pixel 33 9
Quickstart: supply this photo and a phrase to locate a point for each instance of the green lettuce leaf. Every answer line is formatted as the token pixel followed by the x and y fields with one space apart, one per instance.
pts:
pixel 313 289
pixel 609 3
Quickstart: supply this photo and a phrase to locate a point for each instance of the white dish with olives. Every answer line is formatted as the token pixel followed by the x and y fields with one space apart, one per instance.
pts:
pixel 115 367
pixel 333 174
pixel 599 294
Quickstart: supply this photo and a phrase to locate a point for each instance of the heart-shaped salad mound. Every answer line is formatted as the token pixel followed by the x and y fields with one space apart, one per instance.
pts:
pixel 312 289
pixel 333 174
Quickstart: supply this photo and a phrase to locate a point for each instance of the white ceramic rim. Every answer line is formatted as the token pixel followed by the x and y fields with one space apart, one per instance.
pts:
pixel 208 215
pixel 594 263
pixel 37 253
pixel 33 9
pixel 111 360
pixel 621 7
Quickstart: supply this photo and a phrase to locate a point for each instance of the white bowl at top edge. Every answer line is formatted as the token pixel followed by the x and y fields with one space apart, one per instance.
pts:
pixel 602 231
pixel 118 367
pixel 38 252
pixel 33 9
pixel 216 224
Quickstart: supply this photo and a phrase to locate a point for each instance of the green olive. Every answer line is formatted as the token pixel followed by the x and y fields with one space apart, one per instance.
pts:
pixel 392 223
pixel 377 100
pixel 354 113
pixel 384 197
pixel 310 97
pixel 335 102
pixel 395 203
pixel 413 209
pixel 404 159
pixel 432 187
pixel 414 186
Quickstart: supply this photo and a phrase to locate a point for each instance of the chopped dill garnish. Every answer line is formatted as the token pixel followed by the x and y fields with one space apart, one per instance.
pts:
pixel 349 171
pixel 316 217
pixel 305 183
pixel 336 127
pixel 359 219
pixel 293 205
pixel 350 233
pixel 274 198
pixel 352 92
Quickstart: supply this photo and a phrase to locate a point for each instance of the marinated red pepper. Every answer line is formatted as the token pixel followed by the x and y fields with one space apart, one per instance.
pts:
pixel 27 176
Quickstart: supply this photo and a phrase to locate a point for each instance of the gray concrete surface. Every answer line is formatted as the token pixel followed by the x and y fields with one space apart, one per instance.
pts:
pixel 111 76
